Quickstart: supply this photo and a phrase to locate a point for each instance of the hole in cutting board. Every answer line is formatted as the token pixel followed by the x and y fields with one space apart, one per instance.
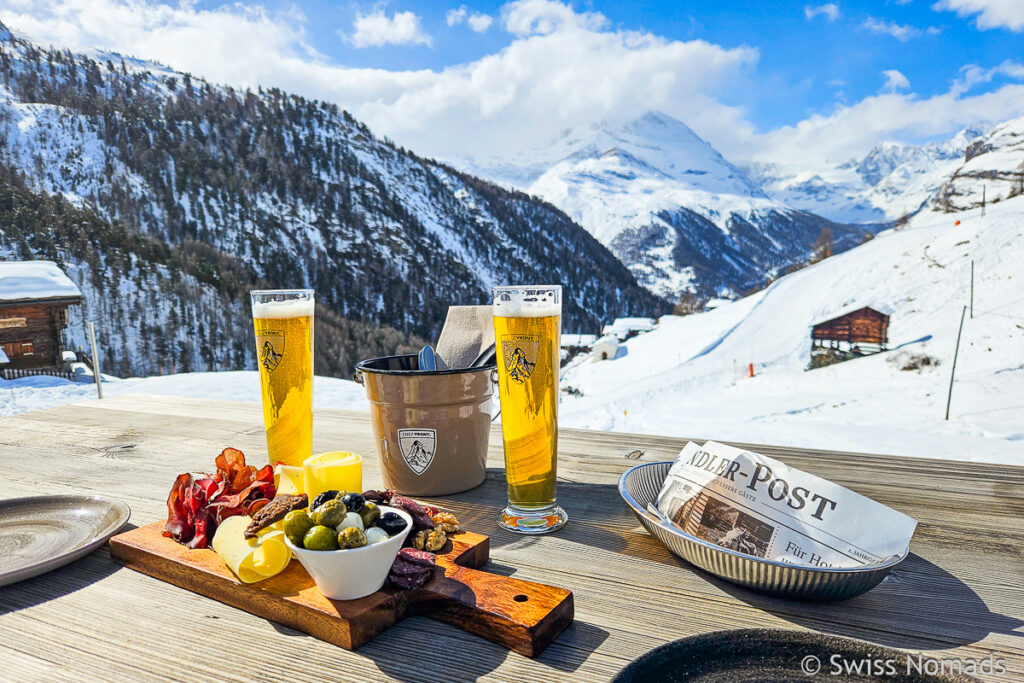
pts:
pixel 521 598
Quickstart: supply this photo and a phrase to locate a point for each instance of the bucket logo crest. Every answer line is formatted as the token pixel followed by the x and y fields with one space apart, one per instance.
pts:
pixel 418 447
pixel 520 352
pixel 270 345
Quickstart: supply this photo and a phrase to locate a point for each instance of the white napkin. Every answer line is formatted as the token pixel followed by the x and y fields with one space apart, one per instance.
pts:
pixel 468 330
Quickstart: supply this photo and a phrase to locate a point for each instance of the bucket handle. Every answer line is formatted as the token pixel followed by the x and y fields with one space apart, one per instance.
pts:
pixel 494 381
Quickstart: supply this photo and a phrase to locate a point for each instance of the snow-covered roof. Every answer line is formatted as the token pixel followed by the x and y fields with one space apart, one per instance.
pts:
pixel 607 339
pixel 839 313
pixel 35 280
pixel 622 326
pixel 572 339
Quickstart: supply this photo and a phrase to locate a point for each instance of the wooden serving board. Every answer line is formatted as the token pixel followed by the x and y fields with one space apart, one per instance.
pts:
pixel 523 616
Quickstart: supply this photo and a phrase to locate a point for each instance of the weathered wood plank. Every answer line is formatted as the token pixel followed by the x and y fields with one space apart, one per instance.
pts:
pixel 960 594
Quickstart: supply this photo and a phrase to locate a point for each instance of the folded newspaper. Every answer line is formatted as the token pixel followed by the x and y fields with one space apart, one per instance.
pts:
pixel 758 506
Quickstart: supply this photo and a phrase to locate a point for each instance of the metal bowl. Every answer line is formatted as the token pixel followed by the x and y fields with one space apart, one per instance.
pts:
pixel 640 485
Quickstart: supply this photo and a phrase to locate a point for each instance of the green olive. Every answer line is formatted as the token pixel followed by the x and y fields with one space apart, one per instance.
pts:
pixel 320 538
pixel 330 513
pixel 295 525
pixel 370 514
pixel 351 537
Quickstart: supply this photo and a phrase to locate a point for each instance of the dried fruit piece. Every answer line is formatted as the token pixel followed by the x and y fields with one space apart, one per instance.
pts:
pixel 429 539
pixel 446 522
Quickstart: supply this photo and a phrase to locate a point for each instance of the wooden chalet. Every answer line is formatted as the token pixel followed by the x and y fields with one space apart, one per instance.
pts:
pixel 34 300
pixel 857 332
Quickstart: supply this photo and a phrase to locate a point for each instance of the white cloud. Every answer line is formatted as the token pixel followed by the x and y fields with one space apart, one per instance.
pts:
pixel 476 21
pixel 480 22
pixel 830 11
pixel 565 70
pixel 541 17
pixel 561 69
pixel 972 75
pixel 454 17
pixel 894 80
pixel 850 131
pixel 900 32
pixel 377 28
pixel 991 13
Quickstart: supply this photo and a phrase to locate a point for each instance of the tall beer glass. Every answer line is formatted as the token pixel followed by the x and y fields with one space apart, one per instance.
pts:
pixel 527 331
pixel 283 321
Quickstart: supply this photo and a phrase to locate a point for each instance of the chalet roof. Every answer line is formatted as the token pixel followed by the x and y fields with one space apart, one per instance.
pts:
pixel 846 310
pixel 623 326
pixel 35 281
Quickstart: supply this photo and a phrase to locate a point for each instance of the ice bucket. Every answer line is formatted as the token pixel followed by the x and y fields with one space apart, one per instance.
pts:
pixel 431 427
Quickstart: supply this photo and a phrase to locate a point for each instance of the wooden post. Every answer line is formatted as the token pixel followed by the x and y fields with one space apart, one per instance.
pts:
pixel 95 360
pixel 751 369
pixel 972 289
pixel 956 353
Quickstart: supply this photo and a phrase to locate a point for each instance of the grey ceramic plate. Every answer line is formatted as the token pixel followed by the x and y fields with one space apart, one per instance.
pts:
pixel 41 533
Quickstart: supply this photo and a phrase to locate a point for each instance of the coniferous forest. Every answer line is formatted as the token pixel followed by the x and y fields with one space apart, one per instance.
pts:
pixel 166 198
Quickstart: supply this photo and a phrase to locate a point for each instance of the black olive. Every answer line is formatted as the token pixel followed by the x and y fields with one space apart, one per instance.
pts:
pixel 323 498
pixel 391 522
pixel 353 501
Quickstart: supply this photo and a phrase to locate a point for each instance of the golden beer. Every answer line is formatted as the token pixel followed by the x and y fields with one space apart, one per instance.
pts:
pixel 283 322
pixel 527 330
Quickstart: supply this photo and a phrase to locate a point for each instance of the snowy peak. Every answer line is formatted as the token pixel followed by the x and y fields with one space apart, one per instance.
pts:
pixel 654 145
pixel 993 169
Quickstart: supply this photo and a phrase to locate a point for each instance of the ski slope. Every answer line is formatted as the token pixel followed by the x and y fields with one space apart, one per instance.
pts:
pixel 689 377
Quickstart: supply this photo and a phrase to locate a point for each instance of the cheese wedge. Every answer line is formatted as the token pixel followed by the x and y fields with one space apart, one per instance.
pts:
pixel 289 479
pixel 334 471
pixel 251 559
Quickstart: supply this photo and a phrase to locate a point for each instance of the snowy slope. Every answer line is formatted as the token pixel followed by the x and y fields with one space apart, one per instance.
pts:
pixel 891 181
pixel 687 378
pixel 678 214
pixel 38 393
pixel 993 169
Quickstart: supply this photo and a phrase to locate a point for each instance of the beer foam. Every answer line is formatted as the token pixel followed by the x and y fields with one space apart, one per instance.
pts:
pixel 542 305
pixel 295 308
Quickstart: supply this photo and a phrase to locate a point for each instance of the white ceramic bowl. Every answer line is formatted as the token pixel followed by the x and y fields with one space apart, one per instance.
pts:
pixel 356 572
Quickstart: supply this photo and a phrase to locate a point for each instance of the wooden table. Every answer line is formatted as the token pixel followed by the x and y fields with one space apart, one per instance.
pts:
pixel 960 594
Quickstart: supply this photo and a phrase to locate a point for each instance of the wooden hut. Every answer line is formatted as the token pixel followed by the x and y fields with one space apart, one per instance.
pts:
pixel 34 300
pixel 857 332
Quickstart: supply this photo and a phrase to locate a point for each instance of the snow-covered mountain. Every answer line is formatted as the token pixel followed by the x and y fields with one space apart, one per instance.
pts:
pixel 689 376
pixel 189 193
pixel 993 170
pixel 891 181
pixel 679 215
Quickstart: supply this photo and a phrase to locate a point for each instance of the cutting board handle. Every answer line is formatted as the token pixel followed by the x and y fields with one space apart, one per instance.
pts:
pixel 520 615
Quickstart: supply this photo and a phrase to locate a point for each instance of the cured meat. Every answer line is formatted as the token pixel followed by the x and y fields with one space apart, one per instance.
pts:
pixel 420 557
pixel 274 511
pixel 196 506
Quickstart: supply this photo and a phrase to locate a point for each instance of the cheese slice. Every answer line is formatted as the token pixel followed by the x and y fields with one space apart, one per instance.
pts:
pixel 289 479
pixel 251 559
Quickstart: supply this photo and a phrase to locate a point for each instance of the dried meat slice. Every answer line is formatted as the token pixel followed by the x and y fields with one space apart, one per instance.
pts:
pixel 275 511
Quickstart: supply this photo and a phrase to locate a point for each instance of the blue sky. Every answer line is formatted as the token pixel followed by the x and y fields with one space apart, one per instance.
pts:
pixel 812 81
pixel 806 64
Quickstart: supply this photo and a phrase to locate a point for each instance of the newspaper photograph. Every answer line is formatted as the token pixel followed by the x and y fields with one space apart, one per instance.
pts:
pixel 758 506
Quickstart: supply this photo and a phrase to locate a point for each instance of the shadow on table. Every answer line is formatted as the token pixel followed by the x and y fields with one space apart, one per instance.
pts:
pixel 59 582
pixel 417 650
pixel 919 606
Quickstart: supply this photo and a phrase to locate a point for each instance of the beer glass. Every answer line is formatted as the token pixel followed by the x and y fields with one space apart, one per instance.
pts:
pixel 527 330
pixel 283 321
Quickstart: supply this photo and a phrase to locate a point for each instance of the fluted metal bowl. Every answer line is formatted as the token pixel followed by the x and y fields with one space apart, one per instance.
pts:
pixel 640 485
